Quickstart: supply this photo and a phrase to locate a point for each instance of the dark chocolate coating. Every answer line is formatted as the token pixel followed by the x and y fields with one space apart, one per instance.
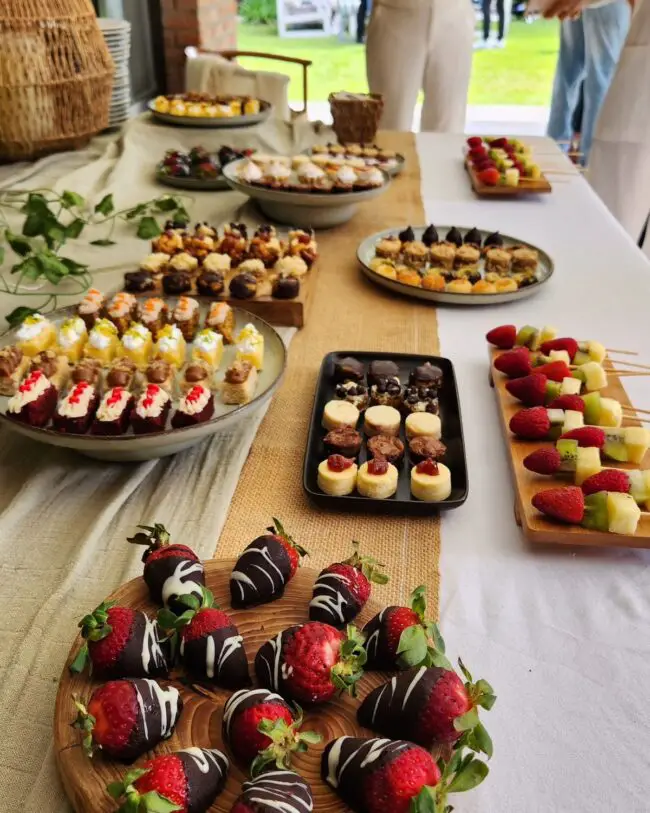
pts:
pixel 493 240
pixel 473 237
pixel 345 441
pixel 138 281
pixel 332 600
pixel 177 283
pixel 224 663
pixel 471 275
pixel 428 374
pixel 455 237
pixel 286 288
pixel 210 283
pixel 243 286
pixel 386 447
pixel 246 699
pixel 349 369
pixel 172 576
pixel 423 448
pixel 158 711
pixel 407 236
pixel 206 771
pixel 268 661
pixel 273 788
pixel 261 573
pixel 145 653
pixel 378 370
pixel 430 236
pixel 379 655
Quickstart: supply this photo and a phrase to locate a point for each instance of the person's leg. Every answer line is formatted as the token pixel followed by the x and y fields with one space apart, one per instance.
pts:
pixel 487 11
pixel 569 75
pixel 362 13
pixel 501 11
pixel 605 32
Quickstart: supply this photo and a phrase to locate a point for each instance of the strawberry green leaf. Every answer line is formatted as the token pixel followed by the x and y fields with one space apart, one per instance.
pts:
pixel 466 721
pixel 413 647
pixel 153 802
pixel 435 658
pixel 425 802
pixel 166 619
pixel 486 700
pixel 418 601
pixel 189 600
pixel 480 740
pixel 434 633
pixel 310 737
pixel 465 671
pixel 469 777
pixel 79 663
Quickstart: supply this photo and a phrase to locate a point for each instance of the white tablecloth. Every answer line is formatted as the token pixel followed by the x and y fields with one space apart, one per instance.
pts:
pixel 563 634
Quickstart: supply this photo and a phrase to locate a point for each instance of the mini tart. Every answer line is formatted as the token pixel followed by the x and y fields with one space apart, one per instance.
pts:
pixel 382 420
pixel 484 287
pixel 380 485
pixel 136 345
pixel 196 406
pixel 91 306
pixel 416 254
pixel 430 487
pixel 170 346
pixel 13 366
pixel 169 242
pixel 34 400
pixel 353 392
pixel 467 256
pixel 153 315
pixel 442 255
pixel 113 413
pixel 423 424
pixel 498 260
pixel 433 282
pixel 250 346
pixel 186 317
pixel 71 338
pixel 35 334
pixel 338 414
pixel 208 346
pixel 337 476
pixel 409 276
pixel 150 411
pixel 390 247
pixel 196 372
pixel 385 269
pixel 56 367
pixel 103 342
pixel 524 258
pixel 265 248
pixel 221 318
pixel 468 272
pixel 75 412
pixel 459 286
pixel 239 383
pixel 386 392
pixel 198 246
pixel 506 285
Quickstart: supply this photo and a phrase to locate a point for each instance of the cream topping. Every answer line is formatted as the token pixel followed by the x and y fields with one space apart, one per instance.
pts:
pixel 186 308
pixel 151 310
pixel 183 262
pixel 278 170
pixel 346 175
pixel 250 172
pixel 77 402
pixel 217 262
pixel 92 301
pixel 219 313
pixel 29 391
pixel 32 327
pixel 311 172
pixel 152 402
pixel 154 262
pixel 208 340
pixel 195 401
pixel 113 404
pixel 72 331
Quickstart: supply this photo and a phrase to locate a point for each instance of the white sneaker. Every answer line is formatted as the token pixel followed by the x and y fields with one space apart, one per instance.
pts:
pixel 499 44
pixel 481 44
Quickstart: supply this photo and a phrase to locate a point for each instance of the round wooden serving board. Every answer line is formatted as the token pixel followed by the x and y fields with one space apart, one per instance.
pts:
pixel 85 779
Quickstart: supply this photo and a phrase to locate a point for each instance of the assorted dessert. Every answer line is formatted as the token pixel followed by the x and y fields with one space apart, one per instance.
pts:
pixel 230 263
pixel 357 156
pixel 199 164
pixel 502 162
pixel 206 106
pixel 457 263
pixel 123 365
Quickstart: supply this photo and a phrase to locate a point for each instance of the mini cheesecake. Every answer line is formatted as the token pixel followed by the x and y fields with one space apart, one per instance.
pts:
pixel 239 383
pixel 103 342
pixel 423 424
pixel 208 346
pixel 337 476
pixel 75 412
pixel 136 345
pixel 338 414
pixel 121 310
pixel 196 372
pixel 196 406
pixel 150 411
pixel 113 413
pixel 35 334
pixel 382 420
pixel 153 315
pixel 170 346
pixel 377 479
pixel 34 401
pixel 13 366
pixel 121 373
pixel 55 367
pixel 91 307
pixel 250 346
pixel 430 481
pixel 221 318
pixel 186 317
pixel 71 338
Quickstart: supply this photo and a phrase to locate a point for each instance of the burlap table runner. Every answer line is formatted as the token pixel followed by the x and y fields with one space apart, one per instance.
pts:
pixel 347 312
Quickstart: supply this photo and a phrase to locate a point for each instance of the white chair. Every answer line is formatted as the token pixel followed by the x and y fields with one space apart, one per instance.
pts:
pixel 301 13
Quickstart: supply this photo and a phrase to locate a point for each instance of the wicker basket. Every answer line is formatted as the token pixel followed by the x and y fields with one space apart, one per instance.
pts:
pixel 356 116
pixel 56 77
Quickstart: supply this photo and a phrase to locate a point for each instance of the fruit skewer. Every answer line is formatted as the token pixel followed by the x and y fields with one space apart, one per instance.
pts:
pixel 609 511
pixel 506 337
pixel 520 362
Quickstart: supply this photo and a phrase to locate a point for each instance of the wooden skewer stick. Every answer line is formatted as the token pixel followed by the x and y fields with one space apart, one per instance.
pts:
pixel 622 352
pixel 628 373
pixel 635 410
pixel 627 364
pixel 638 420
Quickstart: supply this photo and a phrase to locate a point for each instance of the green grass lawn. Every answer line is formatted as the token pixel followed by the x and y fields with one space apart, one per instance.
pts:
pixel 521 73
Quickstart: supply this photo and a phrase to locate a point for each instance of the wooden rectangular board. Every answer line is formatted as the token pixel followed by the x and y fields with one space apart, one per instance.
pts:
pixel 526 186
pixel 526 483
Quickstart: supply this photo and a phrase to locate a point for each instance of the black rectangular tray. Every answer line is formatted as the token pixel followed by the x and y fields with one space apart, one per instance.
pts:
pixel 401 503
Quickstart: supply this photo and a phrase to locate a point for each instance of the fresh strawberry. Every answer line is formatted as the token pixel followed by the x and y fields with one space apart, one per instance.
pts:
pixel 125 718
pixel 489 177
pixel 530 390
pixel 554 370
pixel 586 436
pixel 574 402
pixel 121 642
pixel 170 570
pixel 544 461
pixel 499 143
pixel 477 152
pixel 342 589
pixel 502 337
pixel 262 729
pixel 514 363
pixel 607 480
pixel 531 424
pixel 570 345
pixel 564 504
pixel 474 141
pixel 187 782
pixel 311 663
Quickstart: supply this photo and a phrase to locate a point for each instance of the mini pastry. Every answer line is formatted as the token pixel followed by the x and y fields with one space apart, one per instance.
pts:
pixel 103 342
pixel 370 178
pixel 113 413
pixel 426 374
pixel 337 476
pixel 205 230
pixel 171 346
pixel 430 481
pixel 255 268
pixel 249 172
pixel 430 236
pixel 155 264
pixel 484 287
pixel 302 244
pixel 524 258
pixel 153 315
pixel 525 278
pixel 196 406
pixel 210 283
pixel 55 366
pixel 286 287
pixel 266 248
pixel 473 238
pixel 36 333
pixel 161 373
pixel 91 307
pixel 344 179
pixel 150 411
pixel 459 286
pixel 250 346
pixel 467 256
pixel 121 309
pixel 421 398
pixel 416 254
pixel 506 285
pixel 75 412
pixel 239 383
pixel 219 263
pixel 441 255
pixel 349 369
pixel 407 235
pixel 196 372
pixel 221 318
pixel 138 282
pixel 234 242
pixel 183 262
pixel 353 392
pixel 498 260
pixel 121 374
pixel 89 370
pixel 243 286
pixel 13 366
pixel 169 242
pixel 311 174
pixel 198 246
pixel 387 392
pixel 136 345
pixel 409 276
pixel 338 414
pixel 301 160
pixel 377 262
pixel 468 272
pixel 34 400
pixel 390 247
pixel 345 441
pixel 493 240
pixel 292 266
pixel 386 447
pixel 381 420
pixel 386 270
pixel 71 338
pixel 377 479
pixel 351 149
pixel 208 345
pixel 277 174
pixel 177 283
pixel 423 424
pixel 378 370
pixel 186 317
pixel 422 447
pixel 455 237
pixel 433 282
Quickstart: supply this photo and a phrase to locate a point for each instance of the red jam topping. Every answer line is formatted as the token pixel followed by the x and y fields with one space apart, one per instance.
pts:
pixel 152 391
pixel 77 392
pixel 115 396
pixel 194 394
pixel 29 382
pixel 337 462
pixel 428 466
pixel 377 467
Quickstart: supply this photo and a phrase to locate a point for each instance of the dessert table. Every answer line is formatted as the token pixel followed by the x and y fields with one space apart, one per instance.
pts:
pixel 560 633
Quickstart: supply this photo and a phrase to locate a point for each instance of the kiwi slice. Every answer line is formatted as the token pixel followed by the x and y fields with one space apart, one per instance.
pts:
pixel 568 450
pixel 592 408
pixel 526 336
pixel 596 516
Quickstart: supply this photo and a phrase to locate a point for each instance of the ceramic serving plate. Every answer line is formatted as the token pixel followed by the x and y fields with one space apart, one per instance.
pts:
pixel 303 210
pixel 366 253
pixel 130 447
pixel 214 122
pixel 217 184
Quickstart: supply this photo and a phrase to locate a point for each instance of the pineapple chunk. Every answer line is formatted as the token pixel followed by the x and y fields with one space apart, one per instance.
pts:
pixel 623 513
pixel 570 386
pixel 587 463
pixel 572 420
pixel 559 355
pixel 548 333
pixel 512 177
pixel 595 377
pixel 637 440
pixel 596 351
pixel 611 412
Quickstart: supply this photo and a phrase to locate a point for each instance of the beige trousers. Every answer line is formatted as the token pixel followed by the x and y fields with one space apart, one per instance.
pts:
pixel 424 45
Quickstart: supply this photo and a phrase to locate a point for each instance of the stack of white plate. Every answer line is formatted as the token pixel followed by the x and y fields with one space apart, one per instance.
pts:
pixel 117 34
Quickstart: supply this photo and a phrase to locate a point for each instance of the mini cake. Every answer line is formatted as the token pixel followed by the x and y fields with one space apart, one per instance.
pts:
pixel 243 286
pixel 255 268
pixel 386 447
pixel 103 342
pixel 459 286
pixel 137 282
pixel 422 447
pixel 286 287
pixel 387 392
pixel 198 245
pixel 382 420
pixel 302 244
pixel 121 309
pixel 380 370
pixel 467 256
pixel 13 366
pixel 421 398
pixel 370 178
pixel 210 283
pixel 221 318
pixel 349 369
pixel 196 406
pixel 277 175
pixel 239 383
pixel 249 172
pixel 186 317
pixel 91 306
pixel 337 476
pixel 292 266
pixel 345 441
pixel 161 373
pixel 484 287
pixel 155 264
pixel 113 414
pixel 344 179
pixel 217 262
pixel 169 242
pixel 208 346
pixel 377 479
pixel 430 481
pixel 433 282
pixel 266 248
pixel 75 412
pixel 170 346
pixel 89 370
pixel 416 254
pixel 311 174
pixel 153 315
pixel 409 276
pixel 196 372
pixel 183 262
pixel 55 366
pixel 426 374
pixel 498 260
pixel 390 247
pixel 121 374
pixel 177 283
pixel 34 400
pixel 234 242
pixel 150 411
pixel 442 255
pixel 524 258
pixel 300 160
pixel 423 424
pixel 505 285
pixel 136 345
pixel 250 346
pixel 353 392
pixel 71 338
pixel 338 414
pixel 36 333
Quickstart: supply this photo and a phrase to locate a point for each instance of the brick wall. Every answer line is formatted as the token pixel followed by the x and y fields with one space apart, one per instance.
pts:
pixel 209 24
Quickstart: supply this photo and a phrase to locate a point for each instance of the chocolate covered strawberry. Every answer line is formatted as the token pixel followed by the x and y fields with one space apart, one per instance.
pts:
pixel 209 644
pixel 275 792
pixel 265 568
pixel 342 589
pixel 186 781
pixel 311 663
pixel 125 718
pixel 170 570
pixel 262 729
pixel 121 642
